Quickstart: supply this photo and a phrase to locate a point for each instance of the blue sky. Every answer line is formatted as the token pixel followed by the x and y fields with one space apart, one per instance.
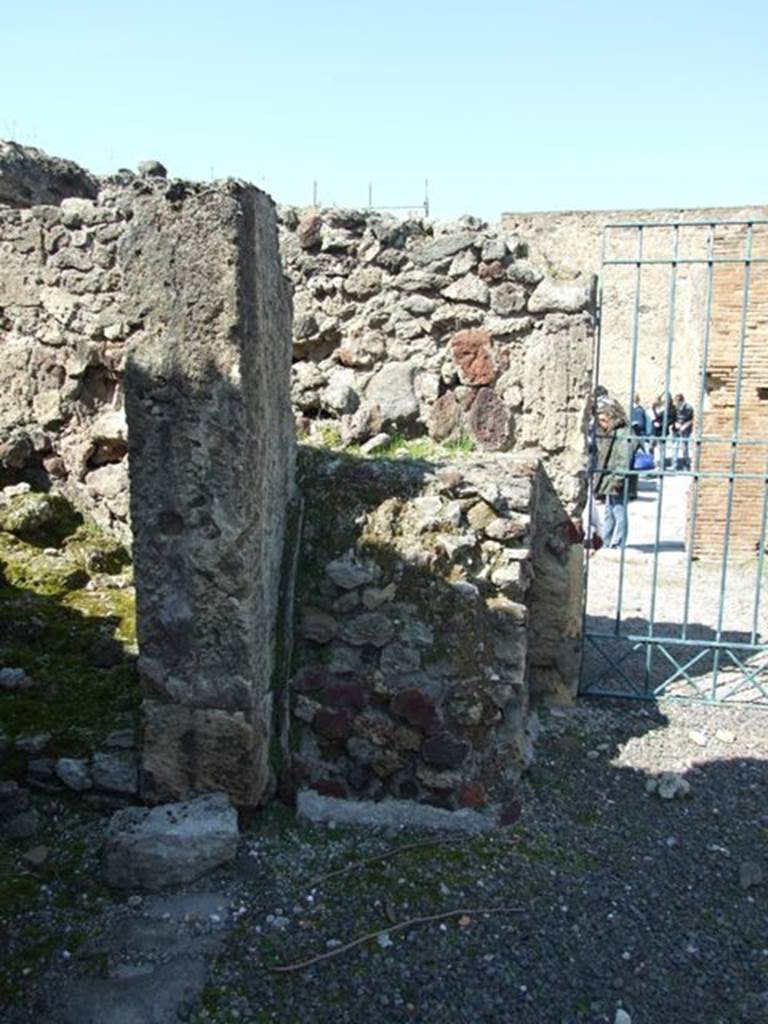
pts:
pixel 501 105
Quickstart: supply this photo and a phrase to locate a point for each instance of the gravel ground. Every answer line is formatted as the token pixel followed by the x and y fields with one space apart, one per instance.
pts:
pixel 615 897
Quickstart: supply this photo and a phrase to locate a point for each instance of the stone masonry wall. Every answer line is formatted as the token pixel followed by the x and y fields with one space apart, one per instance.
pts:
pixel 63 341
pixel 400 326
pixel 410 327
pixel 448 330
pixel 212 454
pixel 185 282
pixel 572 240
pixel 412 623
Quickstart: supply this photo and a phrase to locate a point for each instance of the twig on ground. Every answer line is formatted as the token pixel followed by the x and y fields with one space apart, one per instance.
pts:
pixel 313 883
pixel 301 964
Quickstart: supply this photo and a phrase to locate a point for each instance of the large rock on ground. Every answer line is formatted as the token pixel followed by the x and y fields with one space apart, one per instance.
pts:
pixel 170 844
pixel 37 517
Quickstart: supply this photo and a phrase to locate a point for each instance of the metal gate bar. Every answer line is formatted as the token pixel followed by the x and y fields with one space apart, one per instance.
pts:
pixel 633 667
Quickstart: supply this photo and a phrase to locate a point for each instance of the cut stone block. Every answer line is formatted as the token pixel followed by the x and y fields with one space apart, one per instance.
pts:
pixel 389 814
pixel 187 750
pixel 170 844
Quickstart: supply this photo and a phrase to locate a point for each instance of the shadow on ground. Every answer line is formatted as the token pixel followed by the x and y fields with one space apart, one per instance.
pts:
pixel 622 664
pixel 612 895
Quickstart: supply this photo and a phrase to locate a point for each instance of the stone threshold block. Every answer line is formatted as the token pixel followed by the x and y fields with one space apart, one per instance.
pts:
pixel 169 845
pixel 326 810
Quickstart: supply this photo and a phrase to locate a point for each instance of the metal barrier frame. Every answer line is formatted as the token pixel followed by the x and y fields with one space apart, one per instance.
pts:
pixel 682 651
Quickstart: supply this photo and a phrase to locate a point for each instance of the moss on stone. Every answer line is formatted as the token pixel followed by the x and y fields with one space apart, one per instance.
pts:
pixel 29 568
pixel 39 518
pixel 53 628
pixel 96 550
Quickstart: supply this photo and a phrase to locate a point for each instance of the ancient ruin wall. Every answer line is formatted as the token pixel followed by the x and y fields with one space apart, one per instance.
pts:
pixel 573 241
pixel 399 326
pixel 448 330
pixel 413 625
pixel 185 283
pixel 212 453
pixel 402 327
pixel 63 340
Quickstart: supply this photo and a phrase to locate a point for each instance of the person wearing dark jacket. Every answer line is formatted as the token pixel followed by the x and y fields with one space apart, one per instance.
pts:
pixel 639 424
pixel 616 444
pixel 682 428
pixel 662 419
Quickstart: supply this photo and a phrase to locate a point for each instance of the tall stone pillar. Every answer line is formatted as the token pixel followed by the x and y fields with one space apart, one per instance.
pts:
pixel 211 471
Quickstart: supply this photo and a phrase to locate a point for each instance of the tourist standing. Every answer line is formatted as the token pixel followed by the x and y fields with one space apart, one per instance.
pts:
pixel 639 422
pixel 640 419
pixel 682 428
pixel 593 527
pixel 662 418
pixel 616 444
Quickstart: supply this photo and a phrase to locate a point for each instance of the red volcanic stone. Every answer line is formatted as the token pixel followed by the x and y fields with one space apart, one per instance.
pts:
pixel 417 709
pixel 471 351
pixel 571 531
pixel 334 725
pixel 444 417
pixel 490 272
pixel 472 795
pixel 345 695
pixel 330 787
pixel 444 750
pixel 308 231
pixel 490 421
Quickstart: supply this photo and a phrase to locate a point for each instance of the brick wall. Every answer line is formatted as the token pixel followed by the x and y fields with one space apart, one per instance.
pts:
pixel 719 414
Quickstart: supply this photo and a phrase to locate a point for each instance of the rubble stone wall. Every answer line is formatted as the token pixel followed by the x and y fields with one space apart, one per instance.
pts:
pixel 410 327
pixel 63 343
pixel 170 297
pixel 404 327
pixel 412 628
pixel 451 331
pixel 167 301
pixel 572 240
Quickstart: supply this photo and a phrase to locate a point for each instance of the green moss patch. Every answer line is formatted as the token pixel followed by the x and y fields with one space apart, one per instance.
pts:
pixel 75 644
pixel 39 518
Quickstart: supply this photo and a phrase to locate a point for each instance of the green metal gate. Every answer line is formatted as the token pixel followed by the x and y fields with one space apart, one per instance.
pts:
pixel 678 609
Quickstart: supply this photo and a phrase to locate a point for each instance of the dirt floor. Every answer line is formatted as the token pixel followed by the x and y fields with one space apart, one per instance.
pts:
pixel 600 896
